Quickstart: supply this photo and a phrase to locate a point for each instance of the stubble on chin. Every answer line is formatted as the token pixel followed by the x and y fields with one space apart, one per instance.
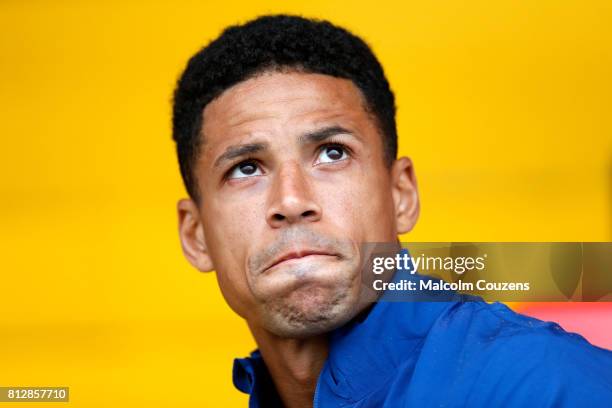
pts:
pixel 308 312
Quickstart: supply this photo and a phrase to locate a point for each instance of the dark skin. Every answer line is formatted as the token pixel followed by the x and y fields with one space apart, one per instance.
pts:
pixel 293 179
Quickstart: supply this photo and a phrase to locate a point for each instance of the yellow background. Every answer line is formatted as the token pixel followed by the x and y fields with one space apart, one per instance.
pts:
pixel 503 105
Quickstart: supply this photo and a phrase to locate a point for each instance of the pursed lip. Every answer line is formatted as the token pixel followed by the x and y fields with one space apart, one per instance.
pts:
pixel 297 254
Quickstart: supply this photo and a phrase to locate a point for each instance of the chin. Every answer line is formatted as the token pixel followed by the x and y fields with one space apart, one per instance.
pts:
pixel 310 311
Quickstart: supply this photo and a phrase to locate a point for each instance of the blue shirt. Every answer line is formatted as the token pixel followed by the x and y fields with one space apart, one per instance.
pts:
pixel 454 353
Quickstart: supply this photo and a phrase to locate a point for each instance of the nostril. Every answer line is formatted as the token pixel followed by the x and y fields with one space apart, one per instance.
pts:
pixel 309 213
pixel 278 217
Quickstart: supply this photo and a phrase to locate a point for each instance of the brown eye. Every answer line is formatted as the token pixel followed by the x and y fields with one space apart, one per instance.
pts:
pixel 331 153
pixel 248 168
pixel 334 153
pixel 245 169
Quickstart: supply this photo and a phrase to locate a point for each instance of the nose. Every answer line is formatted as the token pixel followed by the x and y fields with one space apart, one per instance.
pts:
pixel 291 198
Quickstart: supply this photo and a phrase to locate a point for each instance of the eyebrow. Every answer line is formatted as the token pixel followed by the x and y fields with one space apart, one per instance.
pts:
pixel 313 137
pixel 233 152
pixel 320 135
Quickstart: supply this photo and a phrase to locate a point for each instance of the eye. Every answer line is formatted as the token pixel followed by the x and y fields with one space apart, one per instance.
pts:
pixel 332 153
pixel 245 169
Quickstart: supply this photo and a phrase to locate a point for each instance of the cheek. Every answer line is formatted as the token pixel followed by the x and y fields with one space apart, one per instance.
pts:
pixel 361 205
pixel 229 235
pixel 233 221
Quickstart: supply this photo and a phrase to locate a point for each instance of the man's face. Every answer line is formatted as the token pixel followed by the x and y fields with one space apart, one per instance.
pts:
pixel 293 181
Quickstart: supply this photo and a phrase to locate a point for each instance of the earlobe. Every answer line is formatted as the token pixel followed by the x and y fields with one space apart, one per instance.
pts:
pixel 191 233
pixel 405 195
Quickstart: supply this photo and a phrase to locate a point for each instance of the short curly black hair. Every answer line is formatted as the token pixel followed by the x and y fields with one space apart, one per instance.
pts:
pixel 268 43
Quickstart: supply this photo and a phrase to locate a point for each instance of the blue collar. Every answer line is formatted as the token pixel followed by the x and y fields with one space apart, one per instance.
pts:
pixel 251 376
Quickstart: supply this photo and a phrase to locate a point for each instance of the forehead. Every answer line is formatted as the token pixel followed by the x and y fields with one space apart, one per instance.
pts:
pixel 284 100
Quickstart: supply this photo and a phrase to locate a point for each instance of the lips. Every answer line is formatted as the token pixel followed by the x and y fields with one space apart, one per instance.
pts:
pixel 299 254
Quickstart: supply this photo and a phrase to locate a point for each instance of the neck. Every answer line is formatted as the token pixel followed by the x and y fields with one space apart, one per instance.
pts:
pixel 294 364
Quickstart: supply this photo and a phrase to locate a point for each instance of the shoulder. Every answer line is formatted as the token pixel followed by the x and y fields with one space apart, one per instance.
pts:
pixel 518 358
pixel 496 327
pixel 508 327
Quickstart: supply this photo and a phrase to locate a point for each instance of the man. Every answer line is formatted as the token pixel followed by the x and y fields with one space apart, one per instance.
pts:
pixel 286 139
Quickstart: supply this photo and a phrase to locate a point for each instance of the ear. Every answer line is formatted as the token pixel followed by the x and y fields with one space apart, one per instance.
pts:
pixel 405 195
pixel 191 232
